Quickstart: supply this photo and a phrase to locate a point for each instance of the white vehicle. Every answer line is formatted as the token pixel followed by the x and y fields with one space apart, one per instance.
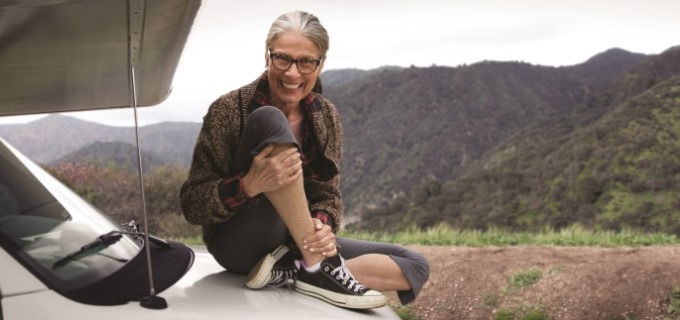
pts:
pixel 61 258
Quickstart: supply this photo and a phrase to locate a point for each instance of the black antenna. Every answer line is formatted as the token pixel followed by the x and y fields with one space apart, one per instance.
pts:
pixel 136 17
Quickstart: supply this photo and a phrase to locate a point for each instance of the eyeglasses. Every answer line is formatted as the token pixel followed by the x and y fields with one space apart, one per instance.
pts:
pixel 304 65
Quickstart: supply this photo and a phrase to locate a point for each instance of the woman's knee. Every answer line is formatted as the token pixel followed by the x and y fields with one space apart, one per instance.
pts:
pixel 267 114
pixel 267 119
pixel 268 125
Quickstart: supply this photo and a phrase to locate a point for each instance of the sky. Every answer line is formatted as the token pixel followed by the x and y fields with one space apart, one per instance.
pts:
pixel 225 49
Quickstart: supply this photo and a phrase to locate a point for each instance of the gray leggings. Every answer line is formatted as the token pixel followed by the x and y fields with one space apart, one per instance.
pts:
pixel 240 242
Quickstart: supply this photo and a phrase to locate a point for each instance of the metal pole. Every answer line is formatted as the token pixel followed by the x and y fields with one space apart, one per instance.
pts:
pixel 136 16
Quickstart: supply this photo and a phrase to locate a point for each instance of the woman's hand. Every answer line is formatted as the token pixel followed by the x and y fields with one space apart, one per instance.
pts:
pixel 322 241
pixel 272 170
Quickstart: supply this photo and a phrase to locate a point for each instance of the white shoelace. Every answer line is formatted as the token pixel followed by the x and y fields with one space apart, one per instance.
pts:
pixel 281 277
pixel 346 276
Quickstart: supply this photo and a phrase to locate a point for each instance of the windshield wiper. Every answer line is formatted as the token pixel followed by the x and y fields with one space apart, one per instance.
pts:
pixel 102 242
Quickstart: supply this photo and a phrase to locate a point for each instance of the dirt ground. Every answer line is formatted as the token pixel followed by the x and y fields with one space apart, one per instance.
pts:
pixel 574 283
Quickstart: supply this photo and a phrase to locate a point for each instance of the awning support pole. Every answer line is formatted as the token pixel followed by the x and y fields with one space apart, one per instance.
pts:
pixel 136 16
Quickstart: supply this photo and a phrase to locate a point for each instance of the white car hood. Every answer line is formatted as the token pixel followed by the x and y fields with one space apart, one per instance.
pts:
pixel 207 291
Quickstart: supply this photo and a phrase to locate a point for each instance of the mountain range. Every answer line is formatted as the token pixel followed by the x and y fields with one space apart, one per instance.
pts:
pixel 492 143
pixel 57 138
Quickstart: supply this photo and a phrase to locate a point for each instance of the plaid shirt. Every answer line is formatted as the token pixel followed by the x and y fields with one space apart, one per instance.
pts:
pixel 231 189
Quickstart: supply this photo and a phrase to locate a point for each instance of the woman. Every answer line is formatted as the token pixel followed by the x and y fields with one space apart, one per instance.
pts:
pixel 264 183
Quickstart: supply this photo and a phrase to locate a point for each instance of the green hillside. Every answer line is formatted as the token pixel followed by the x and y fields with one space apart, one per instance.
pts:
pixel 610 165
pixel 406 126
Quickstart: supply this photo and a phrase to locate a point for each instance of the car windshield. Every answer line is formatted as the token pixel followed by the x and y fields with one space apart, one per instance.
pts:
pixel 42 221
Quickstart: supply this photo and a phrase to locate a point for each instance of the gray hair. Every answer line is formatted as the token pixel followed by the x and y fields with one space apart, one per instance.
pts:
pixel 305 23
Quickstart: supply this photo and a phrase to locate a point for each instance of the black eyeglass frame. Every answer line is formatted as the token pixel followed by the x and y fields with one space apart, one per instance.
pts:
pixel 292 61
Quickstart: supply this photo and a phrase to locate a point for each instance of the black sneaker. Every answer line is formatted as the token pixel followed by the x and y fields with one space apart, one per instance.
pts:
pixel 336 285
pixel 275 269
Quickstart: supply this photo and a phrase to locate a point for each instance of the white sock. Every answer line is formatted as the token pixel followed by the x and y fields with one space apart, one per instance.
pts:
pixel 313 268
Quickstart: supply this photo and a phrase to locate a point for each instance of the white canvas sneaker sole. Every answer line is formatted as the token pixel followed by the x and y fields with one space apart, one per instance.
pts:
pixel 371 299
pixel 260 275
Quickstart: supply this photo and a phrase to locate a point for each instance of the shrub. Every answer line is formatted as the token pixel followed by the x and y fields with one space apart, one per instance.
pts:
pixel 674 301
pixel 116 192
pixel 525 278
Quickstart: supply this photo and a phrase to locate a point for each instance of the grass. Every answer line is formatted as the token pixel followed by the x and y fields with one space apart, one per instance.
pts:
pixel 525 278
pixel 522 313
pixel 404 313
pixel 193 241
pixel 674 301
pixel 443 235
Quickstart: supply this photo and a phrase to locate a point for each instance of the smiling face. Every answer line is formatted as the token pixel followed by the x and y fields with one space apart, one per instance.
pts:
pixel 288 87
